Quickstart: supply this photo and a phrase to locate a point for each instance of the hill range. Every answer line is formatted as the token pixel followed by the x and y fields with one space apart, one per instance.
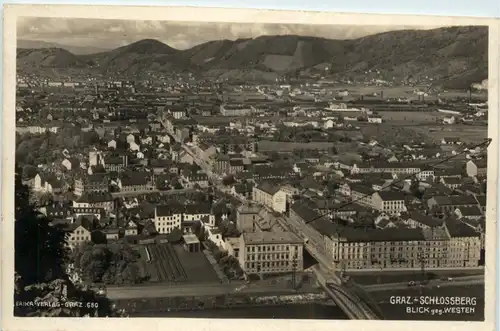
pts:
pixel 457 55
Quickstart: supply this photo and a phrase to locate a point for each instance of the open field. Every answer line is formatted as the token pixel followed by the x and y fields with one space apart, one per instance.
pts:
pixel 411 117
pixel 171 263
pixel 466 133
pixel 196 266
pixel 393 131
pixel 282 146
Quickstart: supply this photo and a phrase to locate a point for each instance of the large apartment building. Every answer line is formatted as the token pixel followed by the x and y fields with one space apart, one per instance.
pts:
pixel 449 245
pixel 265 253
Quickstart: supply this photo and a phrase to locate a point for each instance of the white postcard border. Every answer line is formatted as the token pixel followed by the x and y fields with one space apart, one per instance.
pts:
pixel 197 14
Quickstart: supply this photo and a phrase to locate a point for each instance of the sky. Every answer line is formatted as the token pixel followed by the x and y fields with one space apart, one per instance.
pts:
pixel 109 34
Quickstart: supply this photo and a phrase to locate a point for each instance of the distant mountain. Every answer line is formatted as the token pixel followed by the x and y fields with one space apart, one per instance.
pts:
pixel 48 58
pixel 77 50
pixel 454 54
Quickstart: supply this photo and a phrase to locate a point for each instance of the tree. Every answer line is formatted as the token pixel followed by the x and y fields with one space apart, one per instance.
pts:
pixel 228 180
pixel 175 236
pixel 41 259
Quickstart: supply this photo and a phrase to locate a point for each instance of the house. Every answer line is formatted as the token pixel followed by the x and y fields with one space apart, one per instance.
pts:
pixel 246 216
pixel 271 196
pixel 418 220
pixel 193 179
pixel 90 183
pixel 451 182
pixel 449 120
pixel 112 144
pixel 57 211
pixel 447 204
pixel 111 233
pixel 130 139
pixel 102 200
pixel 115 163
pixel 389 202
pixel 167 218
pixel 450 141
pixel 328 124
pixel 464 249
pixel 134 182
pixel 77 234
pixel 242 191
pixel 477 168
pixel 235 166
pixel 215 236
pixel 221 165
pixel 160 166
pixel 374 119
pixel 133 146
pixel 93 212
pixel 131 229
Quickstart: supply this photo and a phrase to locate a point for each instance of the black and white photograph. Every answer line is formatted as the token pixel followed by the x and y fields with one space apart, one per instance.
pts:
pixel 251 170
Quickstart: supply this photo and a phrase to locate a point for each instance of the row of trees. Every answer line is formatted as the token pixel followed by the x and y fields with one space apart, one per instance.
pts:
pixel 40 263
pixel 228 263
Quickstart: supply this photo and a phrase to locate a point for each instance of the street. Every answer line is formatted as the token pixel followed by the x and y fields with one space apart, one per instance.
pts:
pixel 463 281
pixel 158 291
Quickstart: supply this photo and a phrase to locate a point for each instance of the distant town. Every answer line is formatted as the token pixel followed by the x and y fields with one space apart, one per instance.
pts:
pixel 179 193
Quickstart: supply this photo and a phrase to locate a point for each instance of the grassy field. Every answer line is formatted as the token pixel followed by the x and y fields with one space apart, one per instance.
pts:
pixel 282 146
pixel 411 117
pixel 466 133
pixel 404 91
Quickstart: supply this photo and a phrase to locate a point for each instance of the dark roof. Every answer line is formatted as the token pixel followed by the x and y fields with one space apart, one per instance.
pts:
pixel 463 200
pixel 96 178
pixel 134 179
pixel 391 195
pixel 168 210
pixel 201 208
pixel 442 200
pixel 304 212
pixel 458 229
pixel 452 181
pixel 268 188
pixel 470 211
pixel 236 162
pixel 425 219
pixel 95 197
pixel 389 234
pixel 362 189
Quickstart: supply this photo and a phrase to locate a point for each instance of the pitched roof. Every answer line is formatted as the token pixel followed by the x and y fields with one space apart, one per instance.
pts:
pixel 391 195
pixel 425 219
pixel 458 229
pixel 268 188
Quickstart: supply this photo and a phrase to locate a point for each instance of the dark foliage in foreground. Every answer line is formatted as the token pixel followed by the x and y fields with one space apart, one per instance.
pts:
pixel 43 287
